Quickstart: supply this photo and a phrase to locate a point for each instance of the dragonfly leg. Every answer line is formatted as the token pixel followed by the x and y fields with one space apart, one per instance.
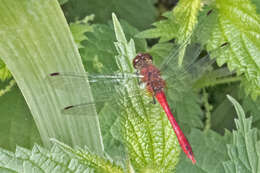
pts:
pixel 154 100
pixel 138 80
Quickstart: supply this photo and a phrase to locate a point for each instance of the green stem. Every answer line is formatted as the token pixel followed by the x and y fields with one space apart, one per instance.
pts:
pixel 218 82
pixel 226 80
pixel 208 108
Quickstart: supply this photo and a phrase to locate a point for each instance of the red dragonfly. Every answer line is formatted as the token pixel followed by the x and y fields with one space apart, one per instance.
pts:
pixel 149 75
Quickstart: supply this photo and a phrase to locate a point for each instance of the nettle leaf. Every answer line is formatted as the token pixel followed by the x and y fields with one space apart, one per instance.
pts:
pixel 251 107
pixel 244 152
pixel 110 129
pixel 166 29
pixel 84 156
pixel 4 72
pixel 138 13
pixel 17 126
pixel 79 28
pixel 160 51
pixel 257 4
pixel 239 25
pixel 185 14
pixel 150 141
pixel 210 151
pixel 60 158
pixel 99 51
pixel 180 24
pixel 62 1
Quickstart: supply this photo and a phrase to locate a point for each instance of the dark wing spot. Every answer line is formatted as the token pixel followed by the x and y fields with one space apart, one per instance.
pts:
pixel 209 12
pixel 224 44
pixel 55 74
pixel 68 107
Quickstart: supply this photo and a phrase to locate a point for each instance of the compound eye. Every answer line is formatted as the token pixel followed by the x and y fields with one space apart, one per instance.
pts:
pixel 148 56
pixel 136 60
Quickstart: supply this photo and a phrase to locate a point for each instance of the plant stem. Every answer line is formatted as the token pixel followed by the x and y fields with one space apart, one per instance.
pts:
pixel 218 81
pixel 226 80
pixel 208 108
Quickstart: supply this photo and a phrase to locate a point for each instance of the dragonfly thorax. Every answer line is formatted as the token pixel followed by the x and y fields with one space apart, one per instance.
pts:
pixel 152 78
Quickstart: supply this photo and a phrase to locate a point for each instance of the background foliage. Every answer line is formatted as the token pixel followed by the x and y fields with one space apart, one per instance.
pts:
pixel 36 41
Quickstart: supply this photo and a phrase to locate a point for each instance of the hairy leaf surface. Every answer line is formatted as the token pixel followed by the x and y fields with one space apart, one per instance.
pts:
pixel 244 152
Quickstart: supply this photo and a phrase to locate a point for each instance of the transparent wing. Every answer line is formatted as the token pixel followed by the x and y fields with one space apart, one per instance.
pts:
pixel 60 80
pixel 180 49
pixel 193 69
pixel 117 101
pixel 104 88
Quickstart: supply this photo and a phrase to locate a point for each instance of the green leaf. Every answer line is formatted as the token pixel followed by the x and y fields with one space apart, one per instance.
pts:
pixel 62 1
pixel 160 51
pixel 35 41
pixel 99 51
pixel 185 14
pixel 100 164
pixel 164 29
pixel 257 4
pixel 17 126
pixel 180 24
pixel 244 152
pixel 148 135
pixel 239 25
pixel 60 158
pixel 4 72
pixel 251 107
pixel 209 150
pixel 79 28
pixel 138 13
pixel 110 129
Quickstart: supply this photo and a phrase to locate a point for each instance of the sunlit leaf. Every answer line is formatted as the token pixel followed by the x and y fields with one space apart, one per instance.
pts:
pixel 147 134
pixel 239 25
pixel 60 158
pixel 4 72
pixel 35 41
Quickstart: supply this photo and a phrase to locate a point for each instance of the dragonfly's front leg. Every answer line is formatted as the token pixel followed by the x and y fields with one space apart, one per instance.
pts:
pixel 138 80
pixel 154 100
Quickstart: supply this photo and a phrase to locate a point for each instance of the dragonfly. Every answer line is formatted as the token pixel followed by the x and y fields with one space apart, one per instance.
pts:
pixel 147 74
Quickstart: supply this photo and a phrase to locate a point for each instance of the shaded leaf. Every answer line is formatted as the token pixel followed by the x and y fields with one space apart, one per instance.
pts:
pixel 251 108
pixel 99 51
pixel 209 150
pixel 166 29
pixel 138 13
pixel 17 126
pixel 244 152
pixel 79 28
pixel 257 4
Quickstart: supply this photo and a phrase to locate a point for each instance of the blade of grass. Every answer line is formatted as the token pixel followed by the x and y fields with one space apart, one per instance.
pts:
pixel 35 41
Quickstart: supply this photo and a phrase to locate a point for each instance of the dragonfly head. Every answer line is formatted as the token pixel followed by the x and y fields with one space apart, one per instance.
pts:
pixel 141 60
